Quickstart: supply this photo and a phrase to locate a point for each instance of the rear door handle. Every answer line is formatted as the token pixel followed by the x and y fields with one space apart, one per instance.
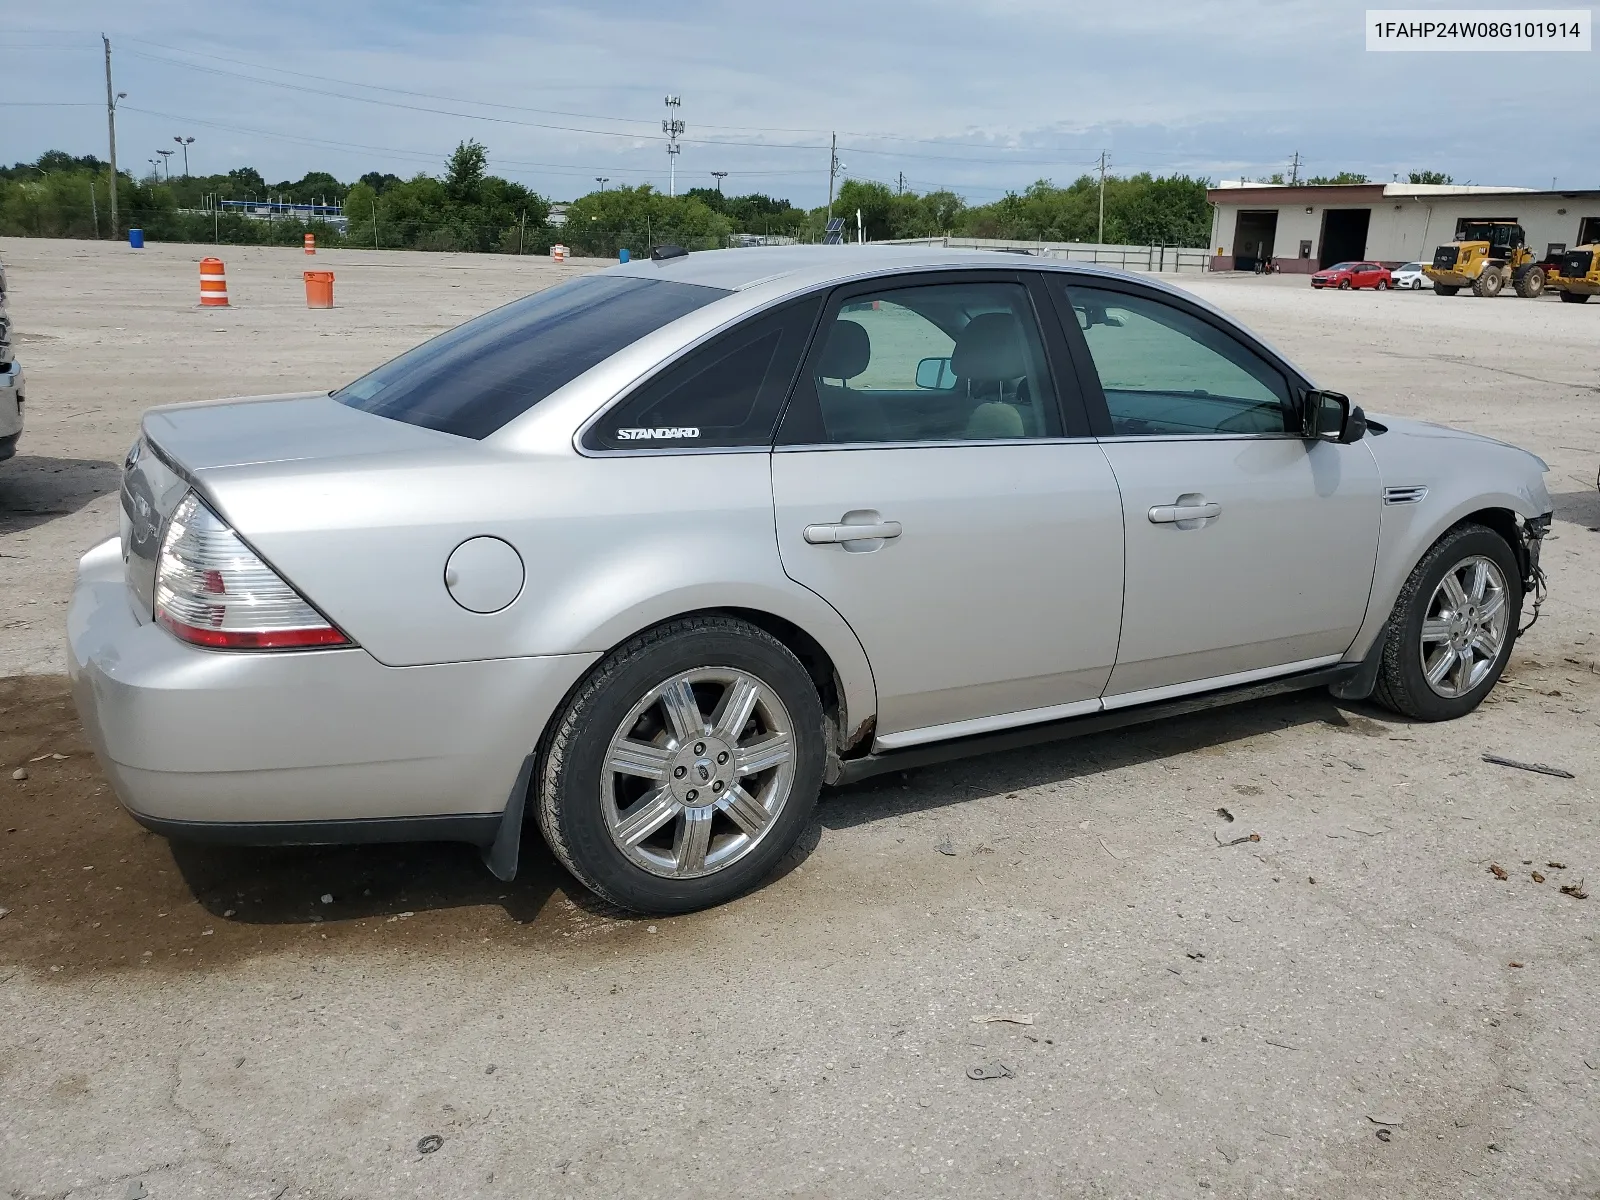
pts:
pixel 1167 514
pixel 827 535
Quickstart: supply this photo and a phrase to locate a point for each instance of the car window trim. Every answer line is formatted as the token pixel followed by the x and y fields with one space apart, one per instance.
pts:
pixel 842 293
pixel 1089 377
pixel 665 365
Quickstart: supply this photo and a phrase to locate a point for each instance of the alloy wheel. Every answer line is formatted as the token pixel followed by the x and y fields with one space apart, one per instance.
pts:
pixel 1465 627
pixel 698 772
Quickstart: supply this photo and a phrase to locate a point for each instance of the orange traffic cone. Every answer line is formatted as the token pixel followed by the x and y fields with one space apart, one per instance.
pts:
pixel 213 283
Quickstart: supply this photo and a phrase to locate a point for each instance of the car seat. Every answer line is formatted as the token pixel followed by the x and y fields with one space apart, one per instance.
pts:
pixel 848 415
pixel 991 360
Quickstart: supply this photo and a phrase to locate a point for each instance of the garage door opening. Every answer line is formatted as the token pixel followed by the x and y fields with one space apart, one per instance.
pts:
pixel 1253 236
pixel 1344 235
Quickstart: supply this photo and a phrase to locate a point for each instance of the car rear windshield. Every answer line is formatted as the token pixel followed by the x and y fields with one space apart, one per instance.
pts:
pixel 473 379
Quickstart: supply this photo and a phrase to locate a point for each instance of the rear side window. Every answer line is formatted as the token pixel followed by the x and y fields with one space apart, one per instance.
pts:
pixel 727 392
pixel 473 379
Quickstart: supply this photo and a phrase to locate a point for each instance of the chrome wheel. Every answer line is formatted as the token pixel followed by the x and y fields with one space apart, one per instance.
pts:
pixel 698 772
pixel 1465 627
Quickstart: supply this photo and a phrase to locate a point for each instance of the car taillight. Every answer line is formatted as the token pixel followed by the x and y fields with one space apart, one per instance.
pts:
pixel 212 590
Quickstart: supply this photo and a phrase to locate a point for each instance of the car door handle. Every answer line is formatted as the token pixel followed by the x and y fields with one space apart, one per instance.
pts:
pixel 1166 514
pixel 827 535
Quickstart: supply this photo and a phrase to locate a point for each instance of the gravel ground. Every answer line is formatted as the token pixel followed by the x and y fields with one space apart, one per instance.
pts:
pixel 1354 1006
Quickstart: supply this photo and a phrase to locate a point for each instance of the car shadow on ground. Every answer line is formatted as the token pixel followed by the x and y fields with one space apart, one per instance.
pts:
pixel 90 891
pixel 933 787
pixel 1578 508
pixel 35 489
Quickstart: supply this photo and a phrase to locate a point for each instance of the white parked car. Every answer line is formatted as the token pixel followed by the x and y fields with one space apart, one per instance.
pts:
pixel 1408 277
pixel 654 555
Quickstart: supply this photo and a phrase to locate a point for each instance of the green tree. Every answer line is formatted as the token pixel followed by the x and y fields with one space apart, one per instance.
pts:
pixel 1341 177
pixel 466 169
pixel 1429 177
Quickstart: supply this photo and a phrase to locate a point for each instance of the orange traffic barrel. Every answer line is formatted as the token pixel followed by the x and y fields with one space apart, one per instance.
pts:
pixel 558 253
pixel 319 288
pixel 311 243
pixel 213 283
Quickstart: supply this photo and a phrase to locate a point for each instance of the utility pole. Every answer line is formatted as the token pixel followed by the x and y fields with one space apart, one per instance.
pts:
pixel 902 188
pixel 1104 162
pixel 111 127
pixel 1294 170
pixel 672 127
pixel 719 176
pixel 833 170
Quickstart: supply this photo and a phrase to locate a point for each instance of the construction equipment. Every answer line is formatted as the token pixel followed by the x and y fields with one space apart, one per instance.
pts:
pixel 1486 256
pixel 1575 273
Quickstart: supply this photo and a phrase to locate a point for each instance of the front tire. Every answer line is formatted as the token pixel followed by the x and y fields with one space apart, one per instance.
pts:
pixel 1344 285
pixel 1453 627
pixel 1488 284
pixel 1446 289
pixel 1575 297
pixel 684 767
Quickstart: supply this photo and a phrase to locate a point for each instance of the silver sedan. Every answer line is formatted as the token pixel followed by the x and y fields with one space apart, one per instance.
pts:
pixel 654 555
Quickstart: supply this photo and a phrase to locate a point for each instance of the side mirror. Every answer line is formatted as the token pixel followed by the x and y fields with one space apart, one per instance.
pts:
pixel 1330 417
pixel 935 374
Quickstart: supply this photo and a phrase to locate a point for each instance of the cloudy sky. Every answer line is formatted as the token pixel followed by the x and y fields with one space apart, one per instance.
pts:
pixel 980 97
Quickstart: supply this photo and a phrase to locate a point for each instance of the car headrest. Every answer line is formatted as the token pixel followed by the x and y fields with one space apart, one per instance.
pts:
pixel 847 353
pixel 989 348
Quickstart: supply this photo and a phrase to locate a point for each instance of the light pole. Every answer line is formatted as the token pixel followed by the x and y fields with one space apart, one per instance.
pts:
pixel 185 143
pixel 720 176
pixel 602 180
pixel 155 169
pixel 166 162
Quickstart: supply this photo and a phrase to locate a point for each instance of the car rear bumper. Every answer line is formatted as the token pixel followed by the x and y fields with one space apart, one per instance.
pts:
pixel 281 748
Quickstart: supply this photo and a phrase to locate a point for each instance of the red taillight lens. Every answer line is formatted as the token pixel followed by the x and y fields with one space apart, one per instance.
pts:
pixel 213 590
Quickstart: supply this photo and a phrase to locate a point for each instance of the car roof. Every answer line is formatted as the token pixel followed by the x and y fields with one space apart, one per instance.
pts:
pixel 804 267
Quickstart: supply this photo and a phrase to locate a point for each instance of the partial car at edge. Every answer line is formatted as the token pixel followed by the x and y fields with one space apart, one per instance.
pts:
pixel 651 557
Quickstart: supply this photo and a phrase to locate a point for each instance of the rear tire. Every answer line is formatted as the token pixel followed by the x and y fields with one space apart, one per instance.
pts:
pixel 1531 284
pixel 645 796
pixel 1575 297
pixel 1382 285
pixel 1403 683
pixel 1445 289
pixel 1488 284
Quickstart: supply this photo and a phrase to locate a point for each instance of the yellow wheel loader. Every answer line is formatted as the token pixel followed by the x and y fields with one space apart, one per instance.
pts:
pixel 1575 273
pixel 1486 256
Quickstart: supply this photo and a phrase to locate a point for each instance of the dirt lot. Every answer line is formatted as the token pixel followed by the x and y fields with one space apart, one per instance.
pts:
pixel 1355 1006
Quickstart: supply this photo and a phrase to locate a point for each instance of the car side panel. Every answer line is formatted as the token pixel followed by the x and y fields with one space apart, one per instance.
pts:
pixel 610 546
pixel 1453 466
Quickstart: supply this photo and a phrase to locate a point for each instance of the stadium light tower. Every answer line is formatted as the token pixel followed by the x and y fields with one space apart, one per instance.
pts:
pixel 166 162
pixel 185 143
pixel 602 180
pixel 672 126
pixel 720 176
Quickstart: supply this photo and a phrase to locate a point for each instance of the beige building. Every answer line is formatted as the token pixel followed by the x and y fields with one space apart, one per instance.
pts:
pixel 1303 229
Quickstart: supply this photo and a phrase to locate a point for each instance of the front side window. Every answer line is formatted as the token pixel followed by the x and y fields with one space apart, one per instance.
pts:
pixel 473 379
pixel 725 393
pixel 1166 372
pixel 941 362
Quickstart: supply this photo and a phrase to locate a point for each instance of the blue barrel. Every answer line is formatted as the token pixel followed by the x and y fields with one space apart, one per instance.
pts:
pixel 136 238
pixel 623 254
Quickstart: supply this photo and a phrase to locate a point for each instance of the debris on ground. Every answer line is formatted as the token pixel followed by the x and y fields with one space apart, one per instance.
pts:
pixel 1224 814
pixel 1536 768
pixel 135 1190
pixel 1515 964
pixel 995 1070
pixel 430 1143
pixel 1007 1018
pixel 327 897
pixel 1575 890
pixel 1555 866
pixel 20 774
pixel 945 847
pixel 1197 955
pixel 1384 1135
pixel 1498 871
pixel 1238 841
pixel 1384 1121
pixel 1537 877
pixel 489 1070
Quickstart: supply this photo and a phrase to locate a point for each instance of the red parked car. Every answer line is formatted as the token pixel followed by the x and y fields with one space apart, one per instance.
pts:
pixel 1354 275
